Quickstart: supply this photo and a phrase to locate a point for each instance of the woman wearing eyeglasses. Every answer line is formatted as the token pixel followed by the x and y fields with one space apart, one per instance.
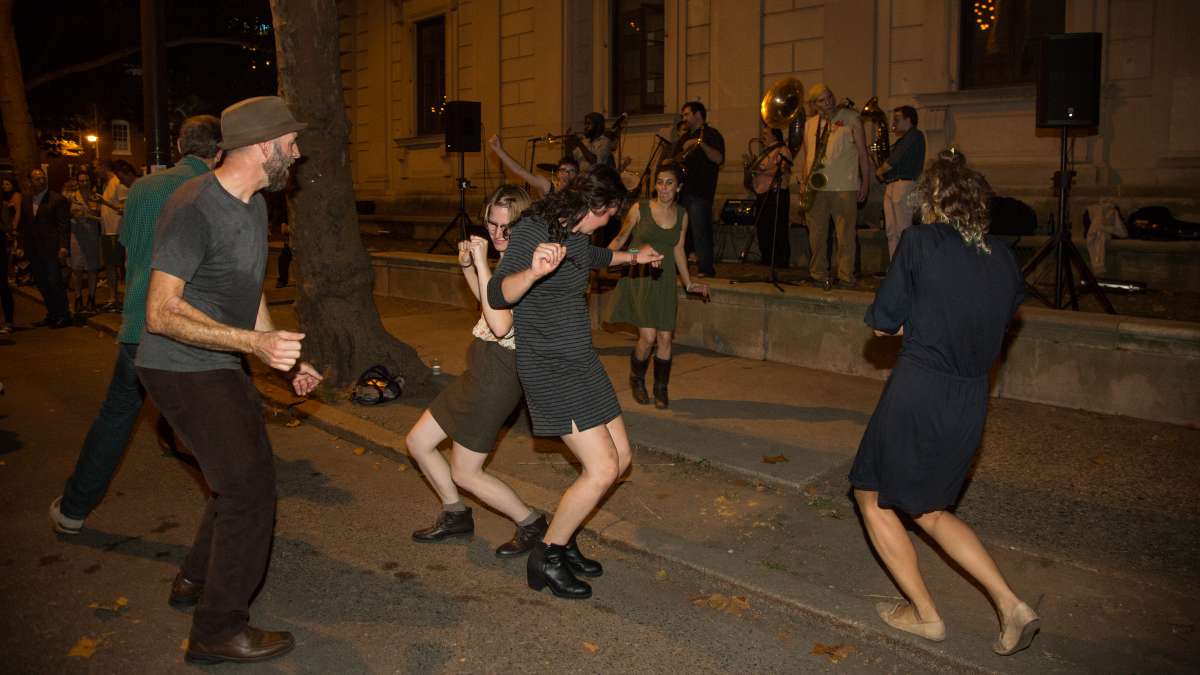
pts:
pixel 475 406
pixel 544 278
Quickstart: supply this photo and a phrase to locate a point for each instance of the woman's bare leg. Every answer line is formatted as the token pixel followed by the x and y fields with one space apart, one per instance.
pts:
pixel 601 467
pixel 645 342
pixel 663 342
pixel 959 541
pixel 422 442
pixel 893 545
pixel 466 469
pixel 616 430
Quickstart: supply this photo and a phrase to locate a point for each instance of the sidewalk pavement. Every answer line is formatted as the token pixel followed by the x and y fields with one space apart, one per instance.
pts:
pixel 744 479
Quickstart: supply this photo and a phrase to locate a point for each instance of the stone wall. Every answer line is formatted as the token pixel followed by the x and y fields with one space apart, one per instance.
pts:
pixel 1109 364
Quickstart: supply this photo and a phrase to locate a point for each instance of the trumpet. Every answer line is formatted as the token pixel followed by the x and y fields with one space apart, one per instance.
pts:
pixel 699 139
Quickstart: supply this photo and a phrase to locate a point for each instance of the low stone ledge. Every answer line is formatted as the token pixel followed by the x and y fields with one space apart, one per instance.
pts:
pixel 1144 368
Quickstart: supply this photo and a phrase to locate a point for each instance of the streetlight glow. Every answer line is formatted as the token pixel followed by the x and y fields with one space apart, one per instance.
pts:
pixel 92 138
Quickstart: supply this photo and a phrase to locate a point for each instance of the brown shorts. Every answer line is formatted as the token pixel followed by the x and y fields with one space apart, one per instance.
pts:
pixel 476 405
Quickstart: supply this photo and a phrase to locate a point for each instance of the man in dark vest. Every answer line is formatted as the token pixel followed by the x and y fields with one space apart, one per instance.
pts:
pixel 45 235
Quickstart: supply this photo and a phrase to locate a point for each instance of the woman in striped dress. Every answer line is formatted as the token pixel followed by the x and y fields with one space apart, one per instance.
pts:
pixel 544 278
pixel 473 409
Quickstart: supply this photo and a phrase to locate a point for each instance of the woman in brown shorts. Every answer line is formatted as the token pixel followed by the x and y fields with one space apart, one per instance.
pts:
pixel 474 407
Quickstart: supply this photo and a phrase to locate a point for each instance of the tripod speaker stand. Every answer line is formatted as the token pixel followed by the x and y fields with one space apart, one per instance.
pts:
pixel 1068 95
pixel 461 220
pixel 463 135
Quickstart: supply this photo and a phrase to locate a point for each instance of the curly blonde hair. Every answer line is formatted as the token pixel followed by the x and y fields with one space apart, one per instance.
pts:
pixel 953 193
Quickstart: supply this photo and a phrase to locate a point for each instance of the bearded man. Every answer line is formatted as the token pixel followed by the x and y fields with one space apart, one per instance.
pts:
pixel 205 309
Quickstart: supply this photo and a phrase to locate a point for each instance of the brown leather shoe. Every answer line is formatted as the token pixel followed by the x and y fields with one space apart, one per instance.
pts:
pixel 249 646
pixel 184 593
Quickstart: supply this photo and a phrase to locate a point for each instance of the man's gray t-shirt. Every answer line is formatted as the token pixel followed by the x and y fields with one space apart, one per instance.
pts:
pixel 217 245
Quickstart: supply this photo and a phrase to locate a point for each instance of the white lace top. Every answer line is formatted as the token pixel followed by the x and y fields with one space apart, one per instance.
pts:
pixel 484 332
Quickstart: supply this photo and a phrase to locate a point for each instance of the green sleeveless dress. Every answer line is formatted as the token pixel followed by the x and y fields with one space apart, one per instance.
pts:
pixel 648 297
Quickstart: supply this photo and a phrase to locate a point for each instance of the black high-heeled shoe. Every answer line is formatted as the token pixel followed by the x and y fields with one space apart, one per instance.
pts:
pixel 547 566
pixel 580 565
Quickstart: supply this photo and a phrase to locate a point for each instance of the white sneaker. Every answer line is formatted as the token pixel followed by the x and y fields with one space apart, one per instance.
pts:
pixel 63 524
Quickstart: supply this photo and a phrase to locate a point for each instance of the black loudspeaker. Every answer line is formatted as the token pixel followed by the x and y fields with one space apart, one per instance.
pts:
pixel 463 126
pixel 1068 87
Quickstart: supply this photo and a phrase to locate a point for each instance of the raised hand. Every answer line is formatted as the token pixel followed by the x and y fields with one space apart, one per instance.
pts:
pixel 546 258
pixel 305 379
pixel 478 247
pixel 464 253
pixel 279 349
pixel 494 143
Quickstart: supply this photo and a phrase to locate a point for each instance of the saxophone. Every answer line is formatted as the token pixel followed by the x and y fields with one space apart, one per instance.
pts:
pixel 816 179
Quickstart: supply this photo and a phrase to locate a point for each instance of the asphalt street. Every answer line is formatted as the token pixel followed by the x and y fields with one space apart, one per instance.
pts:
pixel 345 577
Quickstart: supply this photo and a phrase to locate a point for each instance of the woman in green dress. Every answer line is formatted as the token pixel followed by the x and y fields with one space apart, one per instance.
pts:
pixel 648 298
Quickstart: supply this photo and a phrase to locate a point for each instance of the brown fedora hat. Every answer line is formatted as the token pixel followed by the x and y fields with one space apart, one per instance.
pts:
pixel 255 120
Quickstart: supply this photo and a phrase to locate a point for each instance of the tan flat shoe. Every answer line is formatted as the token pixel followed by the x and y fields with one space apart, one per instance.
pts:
pixel 1017 633
pixel 893 614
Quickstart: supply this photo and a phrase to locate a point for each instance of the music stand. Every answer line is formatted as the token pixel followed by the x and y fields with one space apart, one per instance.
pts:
pixel 1066 255
pixel 773 273
pixel 462 219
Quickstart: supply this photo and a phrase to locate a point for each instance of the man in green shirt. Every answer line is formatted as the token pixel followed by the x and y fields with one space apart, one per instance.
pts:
pixel 106 439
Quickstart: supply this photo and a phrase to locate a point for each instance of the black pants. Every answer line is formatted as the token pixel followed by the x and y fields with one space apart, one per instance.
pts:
pixel 774 224
pixel 700 230
pixel 47 273
pixel 218 414
pixel 6 296
pixel 285 264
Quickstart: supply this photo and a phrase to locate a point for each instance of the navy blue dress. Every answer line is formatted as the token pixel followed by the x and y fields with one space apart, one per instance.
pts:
pixel 955 303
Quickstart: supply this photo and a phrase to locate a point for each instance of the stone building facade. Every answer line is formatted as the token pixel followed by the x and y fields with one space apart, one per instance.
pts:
pixel 537 66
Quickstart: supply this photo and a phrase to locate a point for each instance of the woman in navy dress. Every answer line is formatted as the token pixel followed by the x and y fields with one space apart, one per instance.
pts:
pixel 950 292
pixel 544 278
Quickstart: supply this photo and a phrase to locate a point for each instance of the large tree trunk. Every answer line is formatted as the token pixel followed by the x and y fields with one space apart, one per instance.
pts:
pixel 14 106
pixel 336 308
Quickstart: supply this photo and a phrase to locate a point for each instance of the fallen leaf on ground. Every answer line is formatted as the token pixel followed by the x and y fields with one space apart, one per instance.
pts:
pixel 661 575
pixel 184 644
pixel 84 648
pixel 591 647
pixel 735 605
pixel 402 468
pixel 773 459
pixel 360 451
pixel 835 652
pixel 122 601
pixel 1098 460
pixel 376 466
pixel 292 423
pixel 830 513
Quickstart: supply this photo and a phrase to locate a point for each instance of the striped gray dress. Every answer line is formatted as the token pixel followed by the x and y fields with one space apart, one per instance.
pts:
pixel 562 376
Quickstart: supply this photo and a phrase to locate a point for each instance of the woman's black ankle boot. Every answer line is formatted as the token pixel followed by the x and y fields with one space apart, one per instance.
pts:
pixel 581 566
pixel 662 377
pixel 547 566
pixel 637 378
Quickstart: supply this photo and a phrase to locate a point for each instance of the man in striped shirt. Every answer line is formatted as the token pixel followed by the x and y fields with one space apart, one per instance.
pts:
pixel 110 432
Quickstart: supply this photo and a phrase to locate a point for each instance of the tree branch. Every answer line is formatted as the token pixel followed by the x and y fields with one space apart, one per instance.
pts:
pixel 128 51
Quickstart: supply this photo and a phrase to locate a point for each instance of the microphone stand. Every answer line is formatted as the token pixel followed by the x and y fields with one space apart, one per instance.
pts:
pixel 773 274
pixel 659 143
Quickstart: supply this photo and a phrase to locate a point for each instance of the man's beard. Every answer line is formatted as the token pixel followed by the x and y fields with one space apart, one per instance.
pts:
pixel 277 168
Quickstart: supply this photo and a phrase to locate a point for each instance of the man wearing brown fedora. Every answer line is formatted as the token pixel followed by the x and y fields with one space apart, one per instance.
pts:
pixel 204 310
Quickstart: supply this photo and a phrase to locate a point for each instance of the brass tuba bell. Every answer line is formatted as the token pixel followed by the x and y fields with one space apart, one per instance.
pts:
pixel 783 108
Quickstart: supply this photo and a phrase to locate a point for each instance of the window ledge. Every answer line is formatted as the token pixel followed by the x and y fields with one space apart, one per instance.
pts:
pixel 421 142
pixel 649 122
pixel 1018 93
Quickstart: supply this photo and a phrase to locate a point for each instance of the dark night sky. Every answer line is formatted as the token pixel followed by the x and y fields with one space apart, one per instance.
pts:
pixel 201 78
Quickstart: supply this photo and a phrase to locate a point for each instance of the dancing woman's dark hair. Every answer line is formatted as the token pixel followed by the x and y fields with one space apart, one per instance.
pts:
pixel 595 190
pixel 950 192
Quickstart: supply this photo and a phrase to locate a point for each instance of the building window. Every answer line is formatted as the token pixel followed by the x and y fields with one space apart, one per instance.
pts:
pixel 120 137
pixel 638 56
pixel 1001 39
pixel 431 76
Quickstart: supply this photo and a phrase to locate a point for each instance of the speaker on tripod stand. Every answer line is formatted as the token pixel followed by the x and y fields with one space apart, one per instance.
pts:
pixel 463 135
pixel 1068 96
